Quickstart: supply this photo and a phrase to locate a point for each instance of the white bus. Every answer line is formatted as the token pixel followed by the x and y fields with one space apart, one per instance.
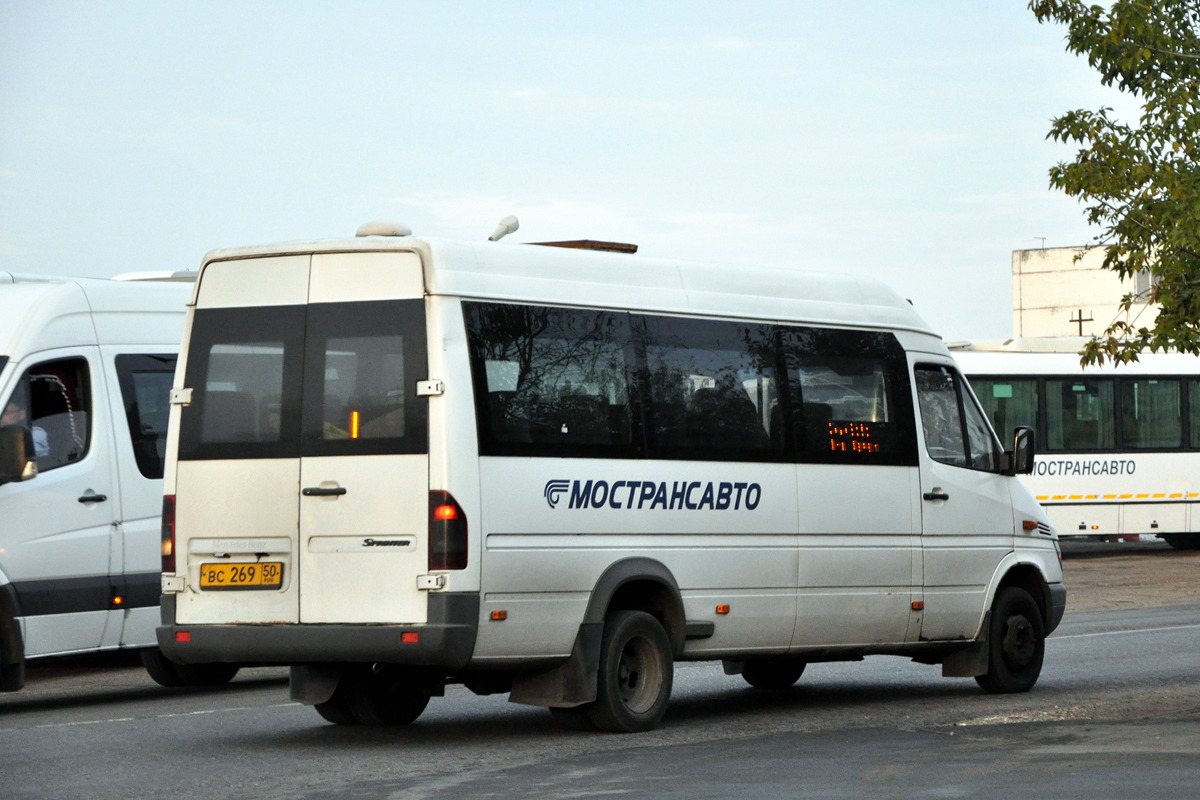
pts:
pixel 400 462
pixel 1118 446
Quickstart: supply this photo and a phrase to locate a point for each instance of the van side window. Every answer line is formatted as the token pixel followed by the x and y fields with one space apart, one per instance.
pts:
pixel 550 381
pixel 713 389
pixel 146 391
pixel 849 397
pixel 956 432
pixel 54 399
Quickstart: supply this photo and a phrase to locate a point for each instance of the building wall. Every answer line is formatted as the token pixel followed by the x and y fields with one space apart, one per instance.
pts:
pixel 1051 289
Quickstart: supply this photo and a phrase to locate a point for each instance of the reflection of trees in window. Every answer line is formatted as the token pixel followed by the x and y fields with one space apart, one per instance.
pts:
pixel 552 376
pixel 711 386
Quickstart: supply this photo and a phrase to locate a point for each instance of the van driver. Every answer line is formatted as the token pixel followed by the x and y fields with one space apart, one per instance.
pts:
pixel 15 415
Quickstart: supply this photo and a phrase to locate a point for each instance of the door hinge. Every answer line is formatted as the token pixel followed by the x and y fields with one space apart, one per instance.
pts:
pixel 181 397
pixel 430 388
pixel 431 582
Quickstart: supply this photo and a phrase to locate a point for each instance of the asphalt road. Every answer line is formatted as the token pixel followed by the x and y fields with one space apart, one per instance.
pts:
pixel 1116 714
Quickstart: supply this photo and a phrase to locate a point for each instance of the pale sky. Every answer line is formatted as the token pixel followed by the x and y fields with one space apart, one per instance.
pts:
pixel 902 140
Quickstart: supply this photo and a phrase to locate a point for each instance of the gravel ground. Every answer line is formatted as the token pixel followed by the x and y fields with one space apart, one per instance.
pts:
pixel 1102 577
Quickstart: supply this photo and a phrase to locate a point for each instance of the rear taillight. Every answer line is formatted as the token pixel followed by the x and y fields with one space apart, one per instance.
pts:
pixel 447 532
pixel 168 534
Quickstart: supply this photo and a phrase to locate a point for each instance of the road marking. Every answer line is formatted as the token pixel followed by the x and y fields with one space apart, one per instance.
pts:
pixel 157 716
pixel 1132 630
pixel 85 722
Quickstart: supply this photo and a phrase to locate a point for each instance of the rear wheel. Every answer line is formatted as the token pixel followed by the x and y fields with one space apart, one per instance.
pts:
pixel 336 709
pixel 635 676
pixel 773 673
pixel 381 697
pixel 1016 643
pixel 166 672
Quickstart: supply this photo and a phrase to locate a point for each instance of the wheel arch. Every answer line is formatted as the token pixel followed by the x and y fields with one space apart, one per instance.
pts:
pixel 640 584
pixel 1027 576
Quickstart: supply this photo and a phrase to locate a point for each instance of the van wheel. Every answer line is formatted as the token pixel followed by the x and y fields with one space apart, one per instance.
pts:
pixel 773 673
pixel 1016 643
pixel 166 672
pixel 635 676
pixel 386 697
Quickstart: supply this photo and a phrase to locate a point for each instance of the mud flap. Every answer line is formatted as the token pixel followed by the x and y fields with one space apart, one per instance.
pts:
pixel 311 684
pixel 567 685
pixel 972 661
pixel 12 645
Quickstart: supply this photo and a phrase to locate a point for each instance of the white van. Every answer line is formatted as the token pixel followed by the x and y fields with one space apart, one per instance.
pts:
pixel 400 462
pixel 85 373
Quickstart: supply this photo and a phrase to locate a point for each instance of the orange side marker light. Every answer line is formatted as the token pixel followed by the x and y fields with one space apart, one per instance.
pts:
pixel 499 615
pixel 918 605
pixel 723 608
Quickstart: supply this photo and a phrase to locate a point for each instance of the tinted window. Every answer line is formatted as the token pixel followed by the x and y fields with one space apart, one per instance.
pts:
pixel 550 381
pixel 1080 414
pixel 1150 413
pixel 712 389
pixel 848 396
pixel 362 365
pixel 244 368
pixel 1194 412
pixel 146 391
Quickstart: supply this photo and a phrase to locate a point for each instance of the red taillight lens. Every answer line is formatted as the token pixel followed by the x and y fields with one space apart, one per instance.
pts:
pixel 447 532
pixel 168 534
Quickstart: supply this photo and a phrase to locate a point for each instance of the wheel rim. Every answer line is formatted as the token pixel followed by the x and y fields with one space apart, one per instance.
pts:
pixel 1020 642
pixel 639 675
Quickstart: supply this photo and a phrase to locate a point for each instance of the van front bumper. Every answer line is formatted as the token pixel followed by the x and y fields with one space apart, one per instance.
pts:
pixel 446 640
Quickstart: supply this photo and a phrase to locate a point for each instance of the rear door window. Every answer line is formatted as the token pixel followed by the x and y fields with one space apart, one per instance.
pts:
pixel 317 380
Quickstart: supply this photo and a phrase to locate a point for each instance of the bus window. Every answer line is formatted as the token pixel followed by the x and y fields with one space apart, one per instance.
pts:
pixel 1080 414
pixel 1150 413
pixel 1008 402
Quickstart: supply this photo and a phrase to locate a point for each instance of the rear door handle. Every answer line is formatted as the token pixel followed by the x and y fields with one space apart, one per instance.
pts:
pixel 936 496
pixel 321 491
pixel 93 498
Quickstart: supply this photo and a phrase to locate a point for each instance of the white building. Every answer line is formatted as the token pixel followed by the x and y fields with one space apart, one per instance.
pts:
pixel 1056 295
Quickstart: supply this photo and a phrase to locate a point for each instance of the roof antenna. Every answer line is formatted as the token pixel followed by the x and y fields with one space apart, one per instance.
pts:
pixel 506 226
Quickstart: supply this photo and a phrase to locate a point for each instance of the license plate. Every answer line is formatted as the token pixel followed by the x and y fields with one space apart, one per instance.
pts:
pixel 258 575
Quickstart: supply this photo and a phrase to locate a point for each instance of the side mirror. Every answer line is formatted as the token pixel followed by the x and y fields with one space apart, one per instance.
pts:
pixel 1019 460
pixel 16 454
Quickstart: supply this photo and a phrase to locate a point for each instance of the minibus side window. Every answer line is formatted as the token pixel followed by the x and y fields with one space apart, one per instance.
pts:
pixel 848 395
pixel 550 381
pixel 146 389
pixel 712 389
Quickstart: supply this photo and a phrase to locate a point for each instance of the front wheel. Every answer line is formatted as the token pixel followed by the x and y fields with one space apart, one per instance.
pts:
pixel 635 676
pixel 166 672
pixel 1016 643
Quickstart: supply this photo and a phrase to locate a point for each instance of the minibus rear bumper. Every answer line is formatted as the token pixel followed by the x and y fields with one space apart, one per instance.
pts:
pixel 446 640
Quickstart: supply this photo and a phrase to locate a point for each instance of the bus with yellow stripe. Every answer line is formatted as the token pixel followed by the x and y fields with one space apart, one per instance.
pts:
pixel 1118 447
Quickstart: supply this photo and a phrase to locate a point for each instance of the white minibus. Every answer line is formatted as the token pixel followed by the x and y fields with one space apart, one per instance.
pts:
pixel 85 373
pixel 1118 446
pixel 398 462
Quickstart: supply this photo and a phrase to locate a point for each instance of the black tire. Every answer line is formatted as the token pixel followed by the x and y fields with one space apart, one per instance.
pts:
pixel 636 672
pixel 1016 643
pixel 166 672
pixel 1182 541
pixel 386 697
pixel 773 673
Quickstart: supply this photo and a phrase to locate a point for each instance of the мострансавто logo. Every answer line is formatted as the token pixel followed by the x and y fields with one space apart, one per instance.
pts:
pixel 681 495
